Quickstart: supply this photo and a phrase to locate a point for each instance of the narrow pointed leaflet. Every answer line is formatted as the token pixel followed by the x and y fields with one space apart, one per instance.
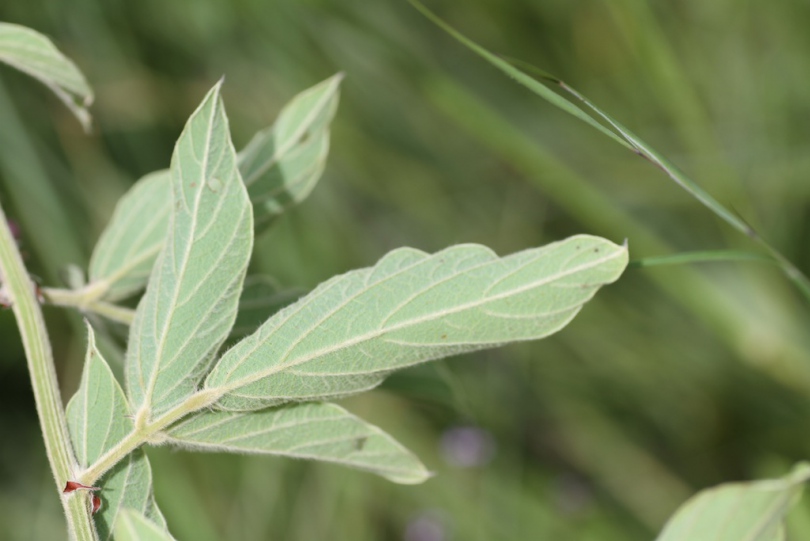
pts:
pixel 282 164
pixel 751 511
pixel 126 252
pixel 354 329
pixel 191 299
pixel 32 53
pixel 134 526
pixel 98 418
pixel 314 431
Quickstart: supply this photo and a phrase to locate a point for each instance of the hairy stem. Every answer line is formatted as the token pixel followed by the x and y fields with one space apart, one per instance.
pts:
pixel 144 432
pixel 21 293
pixel 87 300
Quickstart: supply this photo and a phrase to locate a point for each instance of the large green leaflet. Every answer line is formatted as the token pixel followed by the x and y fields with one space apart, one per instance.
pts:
pixel 282 164
pixel 125 254
pixel 98 418
pixel 134 526
pixel 738 511
pixel 32 53
pixel 315 431
pixel 191 300
pixel 354 329
pixel 261 298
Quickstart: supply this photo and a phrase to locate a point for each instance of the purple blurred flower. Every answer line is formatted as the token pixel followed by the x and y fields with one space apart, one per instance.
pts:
pixel 467 446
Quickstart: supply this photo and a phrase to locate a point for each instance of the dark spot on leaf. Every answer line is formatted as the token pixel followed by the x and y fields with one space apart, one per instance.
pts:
pixel 193 184
pixel 360 442
pixel 304 138
pixel 444 337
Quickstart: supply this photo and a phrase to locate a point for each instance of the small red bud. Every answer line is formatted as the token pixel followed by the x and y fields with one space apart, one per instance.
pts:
pixel 96 503
pixel 70 486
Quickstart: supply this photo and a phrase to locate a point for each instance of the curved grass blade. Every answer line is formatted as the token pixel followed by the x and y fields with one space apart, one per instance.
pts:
pixel 191 299
pixel 522 78
pixel 313 431
pixel 411 307
pixel 751 511
pixel 127 249
pixel 282 164
pixel 705 256
pixel 98 418
pixel 627 139
pixel 32 53
pixel 134 526
pixel 261 298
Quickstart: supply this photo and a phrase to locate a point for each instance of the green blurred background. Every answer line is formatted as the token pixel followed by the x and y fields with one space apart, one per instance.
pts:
pixel 672 380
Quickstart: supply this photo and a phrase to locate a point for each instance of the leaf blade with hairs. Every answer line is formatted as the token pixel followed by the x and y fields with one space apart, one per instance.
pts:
pixel 352 330
pixel 314 431
pixel 191 299
pixel 98 418
pixel 282 164
pixel 134 526
pixel 751 511
pixel 32 53
pixel 127 249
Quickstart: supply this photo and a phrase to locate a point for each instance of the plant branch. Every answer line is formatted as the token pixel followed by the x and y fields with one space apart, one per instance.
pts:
pixel 142 433
pixel 21 294
pixel 86 300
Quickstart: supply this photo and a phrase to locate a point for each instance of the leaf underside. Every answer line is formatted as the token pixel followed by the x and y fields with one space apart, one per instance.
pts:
pixel 751 511
pixel 126 252
pixel 34 54
pixel 411 307
pixel 134 526
pixel 314 431
pixel 280 167
pixel 191 299
pixel 98 418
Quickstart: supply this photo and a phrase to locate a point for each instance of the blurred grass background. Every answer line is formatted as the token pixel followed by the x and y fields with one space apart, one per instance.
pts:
pixel 672 380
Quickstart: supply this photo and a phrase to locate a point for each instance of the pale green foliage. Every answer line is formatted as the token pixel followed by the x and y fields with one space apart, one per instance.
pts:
pixel 261 298
pixel 32 53
pixel 280 167
pixel 190 303
pixel 738 511
pixel 98 418
pixel 315 431
pixel 411 307
pixel 282 164
pixel 133 526
pixel 126 252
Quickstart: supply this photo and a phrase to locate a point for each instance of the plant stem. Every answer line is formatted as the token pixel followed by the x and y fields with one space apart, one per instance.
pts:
pixel 86 300
pixel 142 434
pixel 21 292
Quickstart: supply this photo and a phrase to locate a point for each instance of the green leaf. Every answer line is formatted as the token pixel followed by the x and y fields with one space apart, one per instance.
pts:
pixel 315 431
pixel 126 252
pixel 282 164
pixel 191 299
pixel 98 418
pixel 731 512
pixel 32 53
pixel 354 329
pixel 134 526
pixel 127 485
pixel 261 298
